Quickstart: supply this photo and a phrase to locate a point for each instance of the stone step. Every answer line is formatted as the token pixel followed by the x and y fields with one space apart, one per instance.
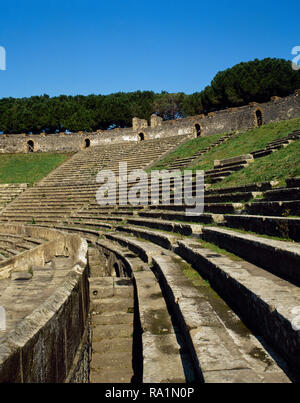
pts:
pixel 177 216
pixel 281 227
pixel 163 356
pixel 91 224
pixel 160 352
pixel 86 217
pixel 50 213
pixel 107 210
pixel 293 182
pixel 223 345
pixel 160 238
pixel 63 196
pixel 218 175
pixel 29 219
pixel 255 187
pixel 283 194
pixel 42 210
pixel 223 349
pixel 279 257
pixel 37 205
pixel 266 304
pixel 5 253
pixel 170 226
pixel 214 208
pixel 262 153
pixel 111 320
pixel 61 191
pixel 60 188
pixel 240 159
pixel 233 197
pixel 231 168
pixel 274 208
pixel 217 179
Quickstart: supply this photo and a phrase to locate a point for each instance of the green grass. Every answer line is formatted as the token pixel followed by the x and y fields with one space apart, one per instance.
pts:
pixel 282 164
pixel 28 168
pixel 278 166
pixel 249 141
pixel 218 250
pixel 188 149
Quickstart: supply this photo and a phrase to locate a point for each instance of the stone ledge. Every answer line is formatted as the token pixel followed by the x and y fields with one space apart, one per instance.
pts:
pixel 42 347
pixel 279 257
pixel 252 296
pixel 233 160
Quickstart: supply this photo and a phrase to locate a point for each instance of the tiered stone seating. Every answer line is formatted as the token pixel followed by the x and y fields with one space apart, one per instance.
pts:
pixel 277 145
pixel 84 166
pixel 262 267
pixel 48 204
pixel 12 244
pixel 73 184
pixel 227 167
pixel 180 163
pixel 8 192
pixel 195 312
pixel 146 153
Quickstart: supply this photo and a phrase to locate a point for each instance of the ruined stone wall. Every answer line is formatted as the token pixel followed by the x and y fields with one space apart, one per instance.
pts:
pixel 62 143
pixel 224 121
pixel 282 109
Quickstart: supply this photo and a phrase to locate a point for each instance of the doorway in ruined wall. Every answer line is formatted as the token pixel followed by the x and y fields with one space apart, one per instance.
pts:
pixel 30 146
pixel 259 118
pixel 87 143
pixel 198 130
pixel 141 136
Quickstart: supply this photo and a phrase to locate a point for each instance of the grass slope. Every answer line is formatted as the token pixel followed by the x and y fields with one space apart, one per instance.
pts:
pixel 188 149
pixel 28 168
pixel 277 166
pixel 251 140
pixel 280 165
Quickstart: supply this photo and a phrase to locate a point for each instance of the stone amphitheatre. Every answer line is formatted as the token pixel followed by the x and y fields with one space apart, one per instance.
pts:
pixel 147 294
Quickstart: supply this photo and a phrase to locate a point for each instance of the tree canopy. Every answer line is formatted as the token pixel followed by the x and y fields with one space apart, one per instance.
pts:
pixel 256 80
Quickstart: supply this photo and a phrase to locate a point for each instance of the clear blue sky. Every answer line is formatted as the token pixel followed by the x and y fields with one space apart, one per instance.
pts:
pixel 96 46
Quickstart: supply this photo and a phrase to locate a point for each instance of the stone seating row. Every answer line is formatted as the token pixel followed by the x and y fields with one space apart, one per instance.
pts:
pixel 196 316
pixel 180 163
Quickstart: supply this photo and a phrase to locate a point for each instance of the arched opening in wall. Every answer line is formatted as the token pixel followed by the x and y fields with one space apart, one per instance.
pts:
pixel 117 270
pixel 30 146
pixel 259 118
pixel 87 143
pixel 198 130
pixel 141 136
